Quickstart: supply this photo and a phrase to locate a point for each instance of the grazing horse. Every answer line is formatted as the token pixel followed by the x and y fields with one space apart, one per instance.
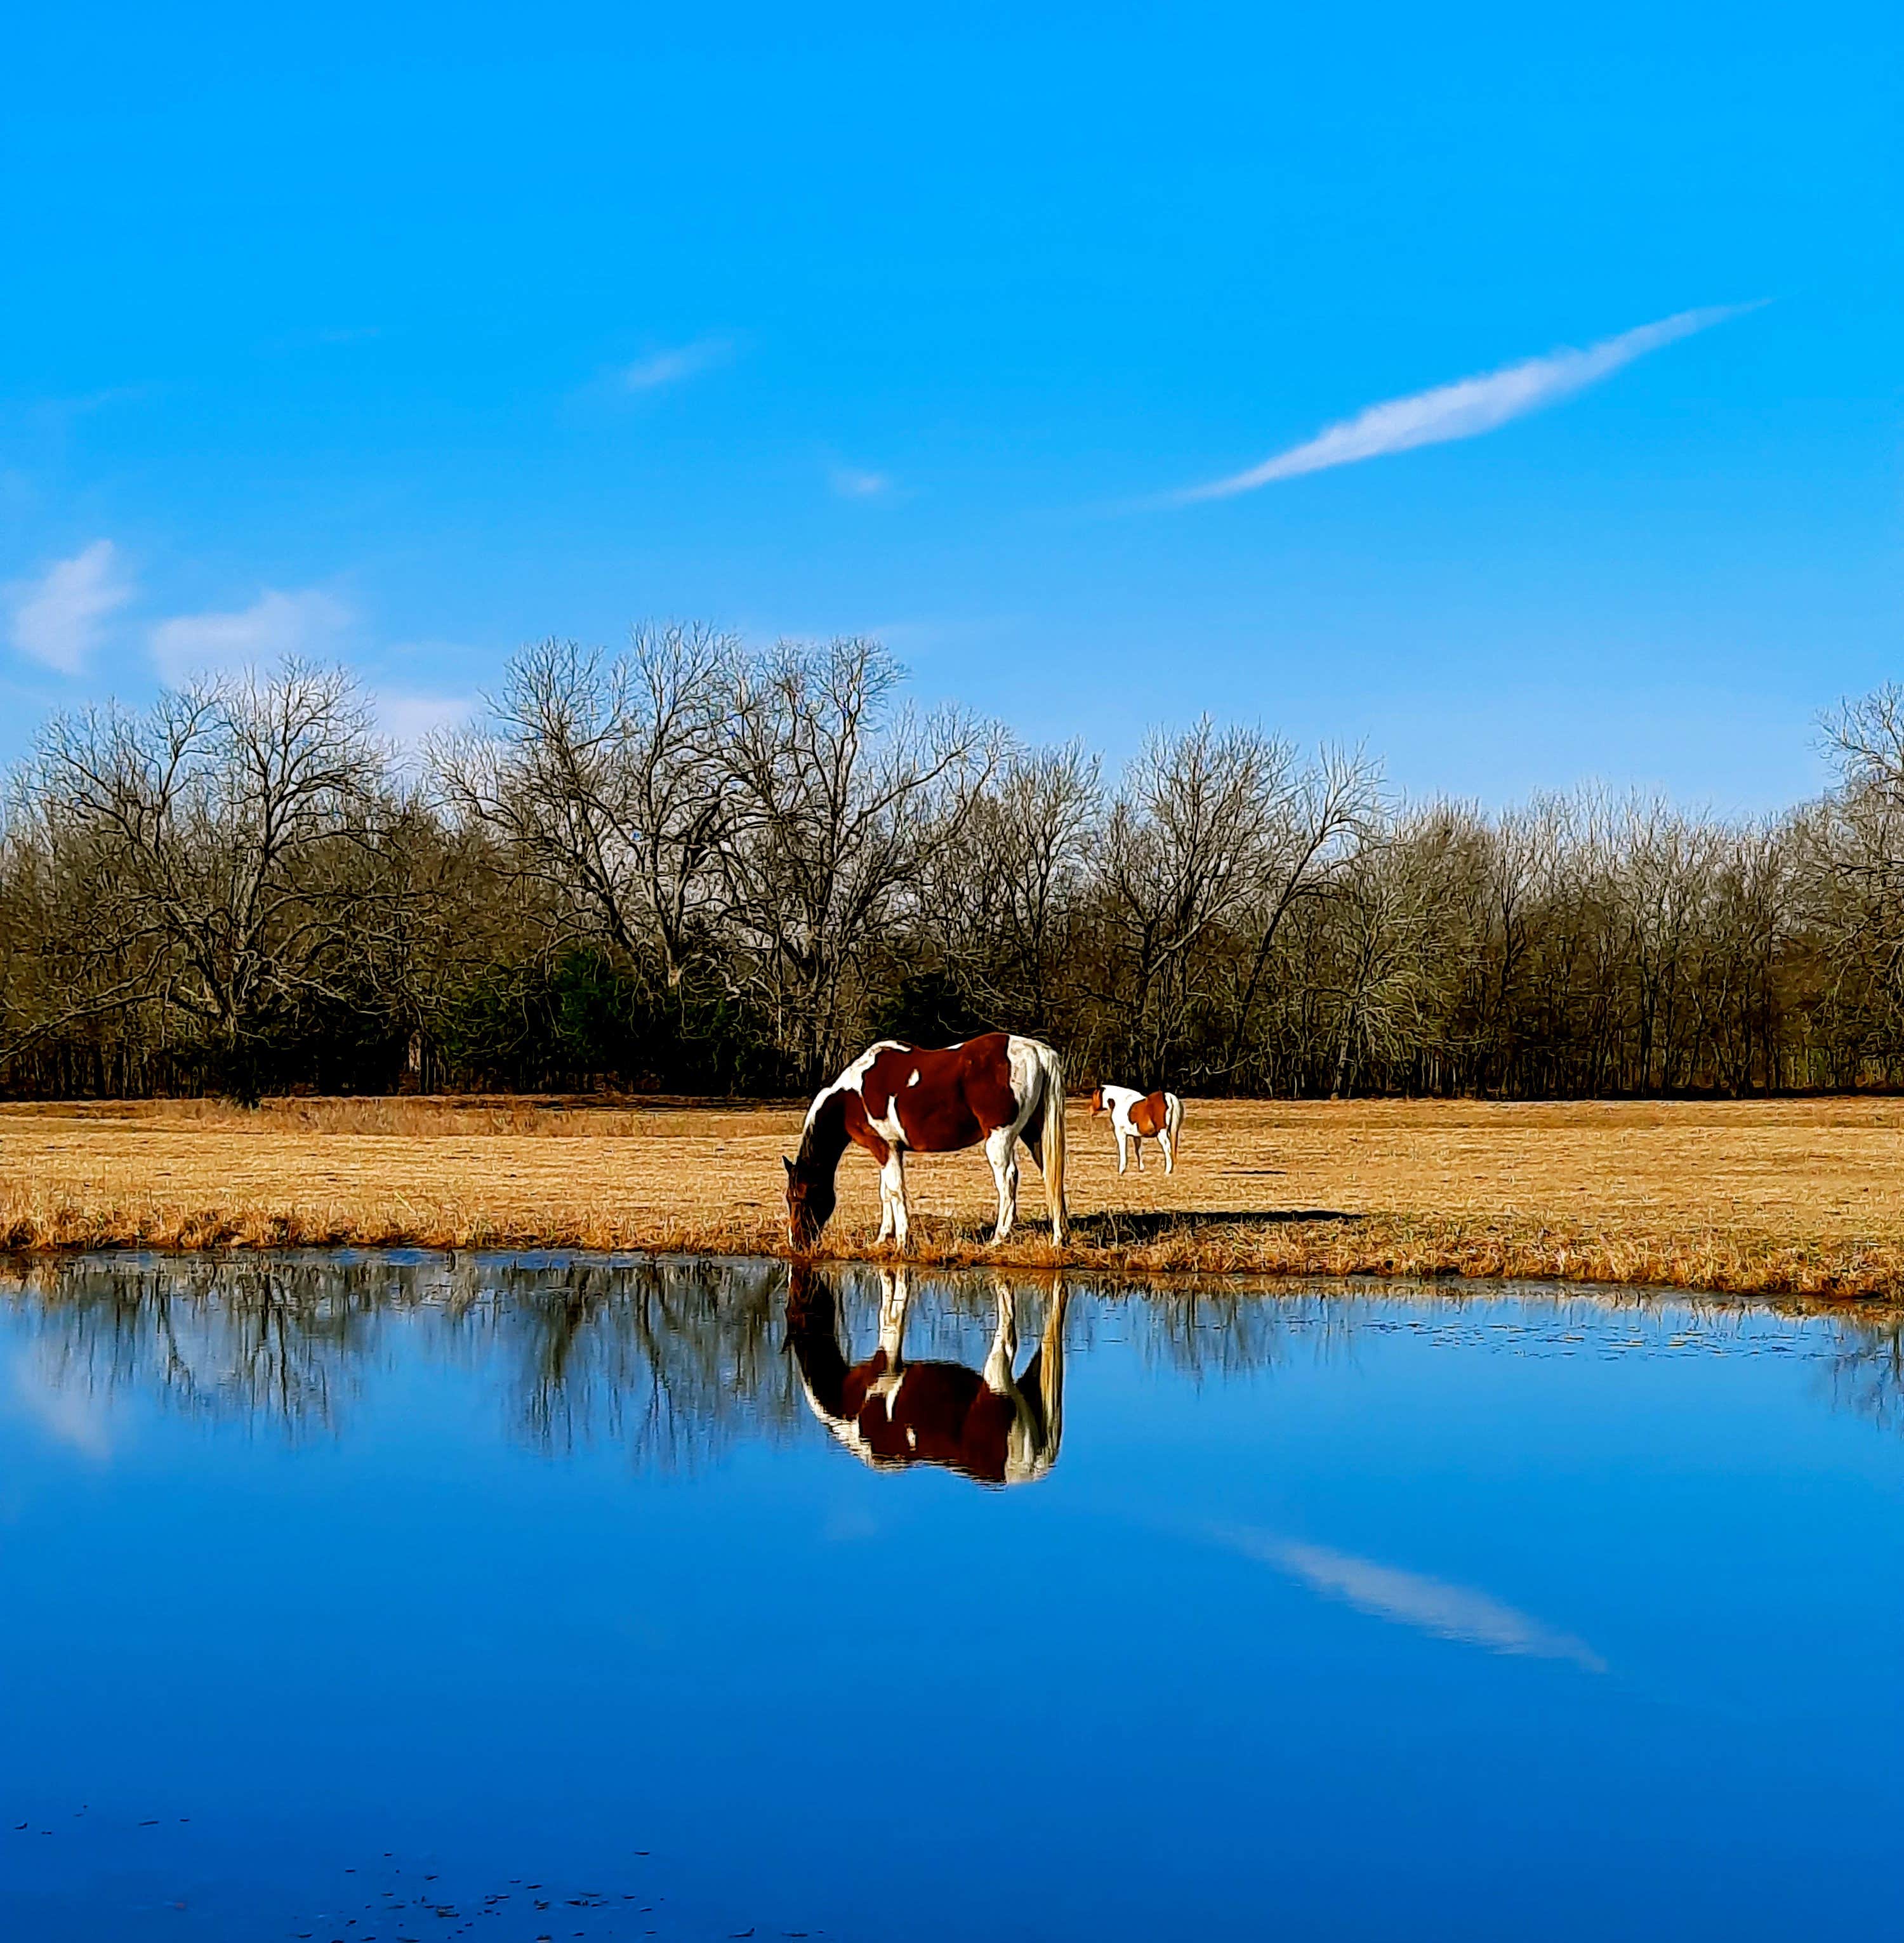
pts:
pixel 1137 1117
pixel 987 1425
pixel 897 1099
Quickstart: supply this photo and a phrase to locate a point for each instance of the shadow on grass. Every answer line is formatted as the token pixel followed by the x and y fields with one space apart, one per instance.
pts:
pixel 1116 1229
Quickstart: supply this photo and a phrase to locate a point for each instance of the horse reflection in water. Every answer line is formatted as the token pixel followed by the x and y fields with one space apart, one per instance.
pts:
pixel 989 1425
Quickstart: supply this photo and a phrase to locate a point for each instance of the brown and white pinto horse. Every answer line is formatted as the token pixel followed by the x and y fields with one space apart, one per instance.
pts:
pixel 1137 1117
pixel 991 1426
pixel 895 1099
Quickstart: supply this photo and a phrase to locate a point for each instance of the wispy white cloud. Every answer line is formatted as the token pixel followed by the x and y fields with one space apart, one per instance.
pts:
pixel 58 618
pixel 1412 1599
pixel 1465 409
pixel 308 622
pixel 672 367
pixel 409 720
pixel 851 482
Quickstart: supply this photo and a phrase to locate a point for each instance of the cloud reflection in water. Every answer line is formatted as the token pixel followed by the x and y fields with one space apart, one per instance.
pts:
pixel 1411 1598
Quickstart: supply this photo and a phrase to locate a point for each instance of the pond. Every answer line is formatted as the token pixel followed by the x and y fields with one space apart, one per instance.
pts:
pixel 411 1597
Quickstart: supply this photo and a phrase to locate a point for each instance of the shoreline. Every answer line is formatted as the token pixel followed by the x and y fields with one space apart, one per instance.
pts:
pixel 1188 1249
pixel 1799 1198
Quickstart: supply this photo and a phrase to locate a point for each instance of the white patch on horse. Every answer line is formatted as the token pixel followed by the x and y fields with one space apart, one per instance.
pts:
pixel 853 1079
pixel 889 1127
pixel 914 1080
pixel 1021 1056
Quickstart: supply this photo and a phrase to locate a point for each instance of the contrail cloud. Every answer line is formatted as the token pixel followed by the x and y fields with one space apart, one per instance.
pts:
pixel 1465 409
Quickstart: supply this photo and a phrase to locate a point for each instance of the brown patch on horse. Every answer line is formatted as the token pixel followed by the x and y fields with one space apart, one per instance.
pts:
pixel 1097 1101
pixel 1150 1113
pixel 961 1094
pixel 940 1413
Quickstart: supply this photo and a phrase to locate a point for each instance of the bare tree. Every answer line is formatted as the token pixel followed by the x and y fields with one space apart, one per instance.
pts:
pixel 219 842
pixel 1315 820
pixel 1182 861
pixel 1744 934
pixel 1665 858
pixel 58 970
pixel 604 782
pixel 1388 915
pixel 1215 835
pixel 838 800
pixel 1854 841
pixel 1003 893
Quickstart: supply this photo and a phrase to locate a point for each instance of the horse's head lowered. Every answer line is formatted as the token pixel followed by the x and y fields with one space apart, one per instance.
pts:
pixel 809 1202
pixel 1097 1101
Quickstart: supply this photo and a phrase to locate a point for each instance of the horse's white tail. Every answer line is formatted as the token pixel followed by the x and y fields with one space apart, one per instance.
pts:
pixel 1173 1119
pixel 1051 1137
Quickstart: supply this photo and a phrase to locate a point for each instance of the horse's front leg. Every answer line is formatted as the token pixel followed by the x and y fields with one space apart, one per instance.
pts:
pixel 895 1292
pixel 1000 1379
pixel 895 1219
pixel 1123 1154
pixel 1002 1150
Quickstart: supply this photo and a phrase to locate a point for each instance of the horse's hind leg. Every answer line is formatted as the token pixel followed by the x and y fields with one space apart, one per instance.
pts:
pixel 1001 1149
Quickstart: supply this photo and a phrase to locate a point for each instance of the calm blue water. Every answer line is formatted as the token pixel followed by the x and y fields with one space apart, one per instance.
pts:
pixel 397 1598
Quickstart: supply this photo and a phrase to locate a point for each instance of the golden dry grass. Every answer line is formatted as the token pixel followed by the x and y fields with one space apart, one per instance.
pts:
pixel 1802 1197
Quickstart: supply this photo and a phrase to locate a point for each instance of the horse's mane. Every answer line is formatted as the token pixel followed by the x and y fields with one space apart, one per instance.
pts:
pixel 823 1140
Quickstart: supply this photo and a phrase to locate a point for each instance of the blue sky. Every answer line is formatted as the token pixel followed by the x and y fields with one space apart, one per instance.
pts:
pixel 408 341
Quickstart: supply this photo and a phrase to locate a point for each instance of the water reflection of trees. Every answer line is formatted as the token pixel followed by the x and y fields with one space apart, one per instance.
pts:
pixel 1190 1332
pixel 254 1337
pixel 671 1358
pixel 1868 1371
pixel 674 1360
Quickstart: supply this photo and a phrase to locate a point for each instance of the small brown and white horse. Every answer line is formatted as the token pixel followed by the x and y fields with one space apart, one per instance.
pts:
pixel 1137 1117
pixel 895 1099
pixel 994 1426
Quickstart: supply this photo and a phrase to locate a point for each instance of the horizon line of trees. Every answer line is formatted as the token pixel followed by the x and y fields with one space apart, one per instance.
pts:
pixel 689 867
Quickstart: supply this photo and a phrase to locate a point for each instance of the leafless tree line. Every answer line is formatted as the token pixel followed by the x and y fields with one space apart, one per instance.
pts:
pixel 693 867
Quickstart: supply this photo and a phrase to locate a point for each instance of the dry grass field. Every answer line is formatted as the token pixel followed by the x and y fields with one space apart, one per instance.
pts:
pixel 1801 1197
